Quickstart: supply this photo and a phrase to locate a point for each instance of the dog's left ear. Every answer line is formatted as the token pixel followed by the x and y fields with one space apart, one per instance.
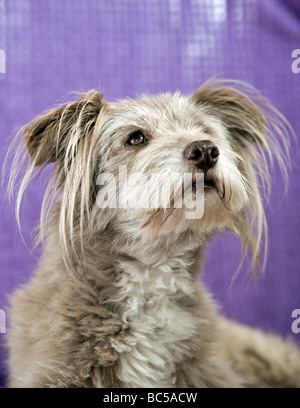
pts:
pixel 239 107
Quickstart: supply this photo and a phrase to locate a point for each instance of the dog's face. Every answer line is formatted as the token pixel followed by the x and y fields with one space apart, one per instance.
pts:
pixel 219 132
pixel 167 135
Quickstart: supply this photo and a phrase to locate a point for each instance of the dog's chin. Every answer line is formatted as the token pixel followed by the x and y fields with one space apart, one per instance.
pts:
pixel 216 215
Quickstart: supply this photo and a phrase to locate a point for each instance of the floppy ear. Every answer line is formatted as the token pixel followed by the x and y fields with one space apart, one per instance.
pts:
pixel 250 119
pixel 239 106
pixel 48 135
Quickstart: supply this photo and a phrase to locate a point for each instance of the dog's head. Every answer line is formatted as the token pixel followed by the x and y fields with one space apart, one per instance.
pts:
pixel 224 133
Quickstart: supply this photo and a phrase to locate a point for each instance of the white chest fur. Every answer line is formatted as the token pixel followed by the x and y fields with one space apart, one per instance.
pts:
pixel 159 323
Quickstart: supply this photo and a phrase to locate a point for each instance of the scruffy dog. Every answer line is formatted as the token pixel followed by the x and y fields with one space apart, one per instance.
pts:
pixel 115 300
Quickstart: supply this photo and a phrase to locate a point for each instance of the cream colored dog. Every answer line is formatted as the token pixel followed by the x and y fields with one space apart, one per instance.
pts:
pixel 115 300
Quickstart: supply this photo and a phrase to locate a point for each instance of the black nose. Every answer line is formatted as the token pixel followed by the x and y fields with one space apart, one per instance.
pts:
pixel 204 153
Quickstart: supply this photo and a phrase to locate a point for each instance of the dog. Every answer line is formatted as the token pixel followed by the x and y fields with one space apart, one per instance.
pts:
pixel 116 299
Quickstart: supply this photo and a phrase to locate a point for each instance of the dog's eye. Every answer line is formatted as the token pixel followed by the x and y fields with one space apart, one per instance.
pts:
pixel 136 138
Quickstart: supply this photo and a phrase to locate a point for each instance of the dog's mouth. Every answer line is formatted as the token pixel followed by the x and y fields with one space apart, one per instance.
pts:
pixel 209 183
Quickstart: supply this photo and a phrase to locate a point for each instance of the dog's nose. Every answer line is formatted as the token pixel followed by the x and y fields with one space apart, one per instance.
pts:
pixel 204 153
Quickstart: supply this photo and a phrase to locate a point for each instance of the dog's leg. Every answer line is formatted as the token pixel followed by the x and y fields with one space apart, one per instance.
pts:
pixel 264 360
pixel 208 373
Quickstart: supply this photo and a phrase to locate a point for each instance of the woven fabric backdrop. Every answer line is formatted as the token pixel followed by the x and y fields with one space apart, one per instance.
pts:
pixel 129 47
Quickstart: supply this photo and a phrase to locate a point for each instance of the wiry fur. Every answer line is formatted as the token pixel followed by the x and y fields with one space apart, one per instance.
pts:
pixel 115 300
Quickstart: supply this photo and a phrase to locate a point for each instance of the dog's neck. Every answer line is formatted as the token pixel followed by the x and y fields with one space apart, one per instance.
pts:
pixel 157 296
pixel 159 250
pixel 108 250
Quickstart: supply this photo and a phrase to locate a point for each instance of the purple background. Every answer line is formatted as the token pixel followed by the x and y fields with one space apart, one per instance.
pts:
pixel 128 47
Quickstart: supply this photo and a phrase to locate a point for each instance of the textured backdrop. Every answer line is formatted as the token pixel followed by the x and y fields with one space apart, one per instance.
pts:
pixel 128 47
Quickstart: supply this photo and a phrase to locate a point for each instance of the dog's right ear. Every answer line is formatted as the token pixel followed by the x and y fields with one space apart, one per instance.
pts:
pixel 48 136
